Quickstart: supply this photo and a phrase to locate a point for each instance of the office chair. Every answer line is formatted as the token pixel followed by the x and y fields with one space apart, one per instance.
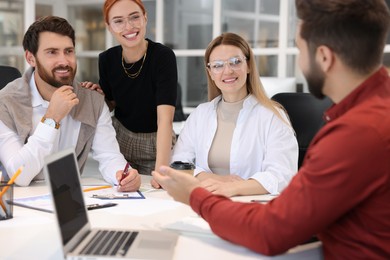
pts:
pixel 179 113
pixel 305 112
pixel 8 74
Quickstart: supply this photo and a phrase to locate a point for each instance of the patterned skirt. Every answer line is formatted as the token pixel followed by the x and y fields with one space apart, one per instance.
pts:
pixel 139 149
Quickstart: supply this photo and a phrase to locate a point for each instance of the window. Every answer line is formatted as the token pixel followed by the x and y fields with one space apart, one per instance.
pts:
pixel 11 33
pixel 186 26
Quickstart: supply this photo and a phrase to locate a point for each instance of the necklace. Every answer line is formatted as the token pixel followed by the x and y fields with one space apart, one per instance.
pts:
pixel 132 75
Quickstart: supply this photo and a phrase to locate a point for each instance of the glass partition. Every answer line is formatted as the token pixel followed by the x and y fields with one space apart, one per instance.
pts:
pixel 192 80
pixel 188 24
pixel 267 65
pixel 87 20
pixel 188 27
pixel 291 25
pixel 11 33
pixel 256 21
pixel 87 69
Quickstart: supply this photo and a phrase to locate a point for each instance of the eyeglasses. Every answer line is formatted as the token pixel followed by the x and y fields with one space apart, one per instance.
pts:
pixel 119 24
pixel 217 66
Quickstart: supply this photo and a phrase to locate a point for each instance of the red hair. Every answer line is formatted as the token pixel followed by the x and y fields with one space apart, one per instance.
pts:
pixel 109 3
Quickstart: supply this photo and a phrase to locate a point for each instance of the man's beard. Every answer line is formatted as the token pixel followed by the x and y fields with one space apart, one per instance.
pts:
pixel 50 78
pixel 315 79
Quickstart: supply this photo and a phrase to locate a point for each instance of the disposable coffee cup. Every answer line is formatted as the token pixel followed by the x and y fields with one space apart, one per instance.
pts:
pixel 6 199
pixel 183 167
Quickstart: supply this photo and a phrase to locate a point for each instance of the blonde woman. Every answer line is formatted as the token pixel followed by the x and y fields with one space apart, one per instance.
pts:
pixel 240 141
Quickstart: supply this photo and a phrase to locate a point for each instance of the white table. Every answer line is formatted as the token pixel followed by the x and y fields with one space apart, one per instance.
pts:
pixel 33 234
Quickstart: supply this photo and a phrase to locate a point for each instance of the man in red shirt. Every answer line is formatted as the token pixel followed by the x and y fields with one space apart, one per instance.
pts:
pixel 342 191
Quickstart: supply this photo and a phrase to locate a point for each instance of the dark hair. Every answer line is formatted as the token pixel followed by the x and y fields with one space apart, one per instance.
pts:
pixel 46 24
pixel 354 29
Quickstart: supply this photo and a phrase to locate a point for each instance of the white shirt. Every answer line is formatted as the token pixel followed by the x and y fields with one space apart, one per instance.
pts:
pixel 46 140
pixel 263 148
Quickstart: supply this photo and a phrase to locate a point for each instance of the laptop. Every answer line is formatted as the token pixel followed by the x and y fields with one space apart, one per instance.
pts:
pixel 79 240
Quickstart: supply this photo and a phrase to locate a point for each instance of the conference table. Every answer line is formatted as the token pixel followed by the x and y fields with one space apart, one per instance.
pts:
pixel 33 234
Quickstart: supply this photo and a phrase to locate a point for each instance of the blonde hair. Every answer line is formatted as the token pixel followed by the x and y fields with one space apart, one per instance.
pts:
pixel 253 83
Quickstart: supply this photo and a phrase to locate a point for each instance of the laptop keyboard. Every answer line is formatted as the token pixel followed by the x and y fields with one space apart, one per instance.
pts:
pixel 113 243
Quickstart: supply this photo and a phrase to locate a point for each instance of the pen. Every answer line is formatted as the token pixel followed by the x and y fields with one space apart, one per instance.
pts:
pixel 125 172
pixel 99 206
pixel 10 182
pixel 97 188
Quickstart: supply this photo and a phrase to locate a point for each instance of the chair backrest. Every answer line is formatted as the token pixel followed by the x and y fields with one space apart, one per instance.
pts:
pixel 8 74
pixel 306 116
pixel 179 113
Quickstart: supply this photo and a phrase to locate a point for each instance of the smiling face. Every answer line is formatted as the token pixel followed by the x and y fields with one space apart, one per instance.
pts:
pixel 55 61
pixel 127 23
pixel 232 79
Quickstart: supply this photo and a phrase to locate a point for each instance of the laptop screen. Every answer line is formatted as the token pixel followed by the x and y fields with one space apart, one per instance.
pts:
pixel 67 195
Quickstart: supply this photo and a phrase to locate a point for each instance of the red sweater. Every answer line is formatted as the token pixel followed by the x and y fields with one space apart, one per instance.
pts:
pixel 341 192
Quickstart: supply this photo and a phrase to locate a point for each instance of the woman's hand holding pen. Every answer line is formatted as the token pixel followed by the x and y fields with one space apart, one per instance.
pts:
pixel 128 179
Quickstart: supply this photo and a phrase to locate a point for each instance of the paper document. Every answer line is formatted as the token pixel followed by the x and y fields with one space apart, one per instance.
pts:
pixel 43 202
pixel 113 193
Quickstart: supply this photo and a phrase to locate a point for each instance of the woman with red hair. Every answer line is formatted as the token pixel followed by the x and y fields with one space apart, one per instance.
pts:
pixel 139 80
